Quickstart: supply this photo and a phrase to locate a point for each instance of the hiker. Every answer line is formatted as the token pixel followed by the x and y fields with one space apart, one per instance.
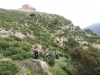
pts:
pixel 56 55
pixel 36 54
pixel 53 54
pixel 47 52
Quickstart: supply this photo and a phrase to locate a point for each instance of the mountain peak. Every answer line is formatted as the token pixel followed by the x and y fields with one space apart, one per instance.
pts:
pixel 27 8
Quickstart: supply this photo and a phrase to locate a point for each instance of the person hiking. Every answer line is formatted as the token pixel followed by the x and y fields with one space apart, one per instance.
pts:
pixel 56 55
pixel 47 52
pixel 36 54
pixel 53 54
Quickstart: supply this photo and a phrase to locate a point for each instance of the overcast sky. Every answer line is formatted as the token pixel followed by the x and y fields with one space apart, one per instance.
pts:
pixel 81 12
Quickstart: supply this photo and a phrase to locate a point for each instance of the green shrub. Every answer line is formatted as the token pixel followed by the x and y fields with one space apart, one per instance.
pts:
pixel 4 44
pixel 7 53
pixel 1 49
pixel 50 61
pixel 14 50
pixel 57 71
pixel 27 54
pixel 33 14
pixel 86 61
pixel 17 57
pixel 8 39
pixel 93 49
pixel 17 38
pixel 16 44
pixel 68 70
pixel 66 55
pixel 1 56
pixel 97 70
pixel 61 62
pixel 42 55
pixel 26 48
pixel 8 68
pixel 72 43
pixel 61 54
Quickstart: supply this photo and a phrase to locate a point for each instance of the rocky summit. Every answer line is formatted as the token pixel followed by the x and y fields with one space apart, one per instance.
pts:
pixel 27 8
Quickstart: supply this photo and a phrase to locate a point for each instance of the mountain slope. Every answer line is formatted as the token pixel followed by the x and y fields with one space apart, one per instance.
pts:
pixel 94 28
pixel 21 31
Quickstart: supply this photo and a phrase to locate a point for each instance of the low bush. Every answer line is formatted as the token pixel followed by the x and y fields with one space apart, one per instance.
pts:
pixel 69 70
pixel 33 14
pixel 17 38
pixel 26 48
pixel 1 56
pixel 66 56
pixel 17 57
pixel 8 68
pixel 16 44
pixel 86 60
pixel 42 55
pixel 57 71
pixel 50 61
pixel 8 39
pixel 4 44
pixel 14 50
pixel 7 53
pixel 93 49
pixel 27 55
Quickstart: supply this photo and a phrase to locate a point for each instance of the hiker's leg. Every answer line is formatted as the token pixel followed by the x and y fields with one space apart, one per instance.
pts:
pixel 57 57
pixel 35 57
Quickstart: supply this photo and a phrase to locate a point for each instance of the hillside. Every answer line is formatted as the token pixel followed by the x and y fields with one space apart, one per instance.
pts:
pixel 94 28
pixel 21 31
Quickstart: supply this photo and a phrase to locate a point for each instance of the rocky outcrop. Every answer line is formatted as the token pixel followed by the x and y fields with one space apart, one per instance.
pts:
pixel 70 28
pixel 96 46
pixel 27 8
pixel 44 66
pixel 11 32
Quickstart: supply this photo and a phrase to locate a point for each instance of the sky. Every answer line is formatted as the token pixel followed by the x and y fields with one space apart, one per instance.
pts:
pixel 82 13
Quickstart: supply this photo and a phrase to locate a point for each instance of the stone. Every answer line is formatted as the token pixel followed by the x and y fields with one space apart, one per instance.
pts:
pixel 28 7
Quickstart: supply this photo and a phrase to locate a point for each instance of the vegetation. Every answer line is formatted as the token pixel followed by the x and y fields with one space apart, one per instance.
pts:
pixel 32 66
pixel 50 31
pixel 8 68
pixel 87 62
